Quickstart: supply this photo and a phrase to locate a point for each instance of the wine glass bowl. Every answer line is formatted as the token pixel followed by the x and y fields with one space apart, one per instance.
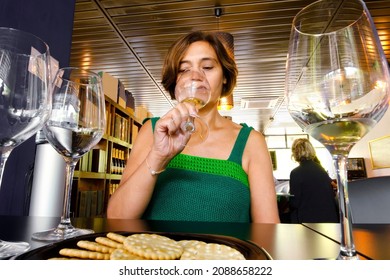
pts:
pixel 25 100
pixel 192 87
pixel 75 126
pixel 337 85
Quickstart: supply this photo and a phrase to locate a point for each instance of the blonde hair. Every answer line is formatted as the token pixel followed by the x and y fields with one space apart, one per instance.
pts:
pixel 302 150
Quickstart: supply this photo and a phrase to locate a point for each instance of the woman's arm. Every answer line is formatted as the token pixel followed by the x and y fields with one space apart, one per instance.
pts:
pixel 136 187
pixel 257 163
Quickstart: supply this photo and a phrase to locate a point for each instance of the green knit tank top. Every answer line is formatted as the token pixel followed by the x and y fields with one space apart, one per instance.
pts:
pixel 203 189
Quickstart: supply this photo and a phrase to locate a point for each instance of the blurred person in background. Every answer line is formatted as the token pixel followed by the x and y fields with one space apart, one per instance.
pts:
pixel 313 198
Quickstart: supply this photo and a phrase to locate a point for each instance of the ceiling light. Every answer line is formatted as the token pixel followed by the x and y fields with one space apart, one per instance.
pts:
pixel 258 103
pixel 226 103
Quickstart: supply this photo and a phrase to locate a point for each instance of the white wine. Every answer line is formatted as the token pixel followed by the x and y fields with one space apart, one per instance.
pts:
pixel 199 103
pixel 71 142
pixel 340 134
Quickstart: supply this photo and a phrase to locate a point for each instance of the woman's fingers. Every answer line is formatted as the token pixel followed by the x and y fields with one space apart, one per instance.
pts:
pixel 176 118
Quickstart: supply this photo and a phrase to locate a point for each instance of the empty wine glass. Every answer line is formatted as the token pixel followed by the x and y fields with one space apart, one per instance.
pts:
pixel 337 85
pixel 75 126
pixel 193 87
pixel 25 100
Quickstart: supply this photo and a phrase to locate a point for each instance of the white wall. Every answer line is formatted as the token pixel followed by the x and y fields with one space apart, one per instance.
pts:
pixel 284 164
pixel 362 149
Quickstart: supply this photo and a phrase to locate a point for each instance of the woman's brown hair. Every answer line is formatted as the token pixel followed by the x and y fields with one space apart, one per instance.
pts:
pixel 176 53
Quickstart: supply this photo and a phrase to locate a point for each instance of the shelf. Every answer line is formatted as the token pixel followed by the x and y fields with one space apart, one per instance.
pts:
pixel 120 142
pixel 114 176
pixel 89 175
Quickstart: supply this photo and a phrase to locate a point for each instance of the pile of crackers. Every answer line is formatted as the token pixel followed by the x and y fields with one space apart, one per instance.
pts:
pixel 148 246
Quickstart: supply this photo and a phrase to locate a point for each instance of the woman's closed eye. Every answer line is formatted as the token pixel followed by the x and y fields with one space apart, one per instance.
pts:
pixel 184 69
pixel 207 68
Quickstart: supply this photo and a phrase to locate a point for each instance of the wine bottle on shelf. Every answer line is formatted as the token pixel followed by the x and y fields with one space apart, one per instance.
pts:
pixel 117 164
pixel 113 162
pixel 122 161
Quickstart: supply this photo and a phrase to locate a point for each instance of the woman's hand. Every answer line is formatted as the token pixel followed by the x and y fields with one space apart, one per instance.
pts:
pixel 170 136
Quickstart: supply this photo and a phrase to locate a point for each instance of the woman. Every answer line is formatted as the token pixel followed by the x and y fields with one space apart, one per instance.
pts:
pixel 313 198
pixel 169 176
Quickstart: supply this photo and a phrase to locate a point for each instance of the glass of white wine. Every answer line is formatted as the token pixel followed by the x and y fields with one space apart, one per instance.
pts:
pixel 25 100
pixel 75 126
pixel 337 85
pixel 193 87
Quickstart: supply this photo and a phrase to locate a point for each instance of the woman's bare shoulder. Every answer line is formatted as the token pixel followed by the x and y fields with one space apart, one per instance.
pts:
pixel 256 146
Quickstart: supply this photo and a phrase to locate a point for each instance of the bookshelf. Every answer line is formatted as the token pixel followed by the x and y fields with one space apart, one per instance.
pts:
pixel 98 172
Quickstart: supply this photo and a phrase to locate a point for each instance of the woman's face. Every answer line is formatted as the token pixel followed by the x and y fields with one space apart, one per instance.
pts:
pixel 201 57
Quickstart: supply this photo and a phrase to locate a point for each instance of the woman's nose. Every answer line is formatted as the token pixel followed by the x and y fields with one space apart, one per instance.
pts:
pixel 197 75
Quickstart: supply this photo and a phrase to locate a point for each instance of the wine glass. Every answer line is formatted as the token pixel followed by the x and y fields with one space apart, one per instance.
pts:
pixel 337 85
pixel 192 86
pixel 25 100
pixel 75 126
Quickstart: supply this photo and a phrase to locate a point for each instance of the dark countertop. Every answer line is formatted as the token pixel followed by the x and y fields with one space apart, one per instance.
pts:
pixel 281 241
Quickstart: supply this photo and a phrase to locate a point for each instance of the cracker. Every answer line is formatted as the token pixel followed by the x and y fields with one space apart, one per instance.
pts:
pixel 153 246
pixel 108 242
pixel 62 258
pixel 116 237
pixel 84 254
pixel 94 246
pixel 211 251
pixel 122 254
pixel 189 243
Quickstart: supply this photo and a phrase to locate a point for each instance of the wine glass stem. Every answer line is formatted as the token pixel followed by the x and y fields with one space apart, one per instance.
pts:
pixel 347 246
pixel 3 160
pixel 65 218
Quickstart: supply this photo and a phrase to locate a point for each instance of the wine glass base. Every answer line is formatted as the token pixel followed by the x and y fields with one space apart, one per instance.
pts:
pixel 10 249
pixel 347 258
pixel 59 234
pixel 343 256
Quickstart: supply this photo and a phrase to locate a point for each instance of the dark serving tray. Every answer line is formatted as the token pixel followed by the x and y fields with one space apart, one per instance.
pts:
pixel 248 249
